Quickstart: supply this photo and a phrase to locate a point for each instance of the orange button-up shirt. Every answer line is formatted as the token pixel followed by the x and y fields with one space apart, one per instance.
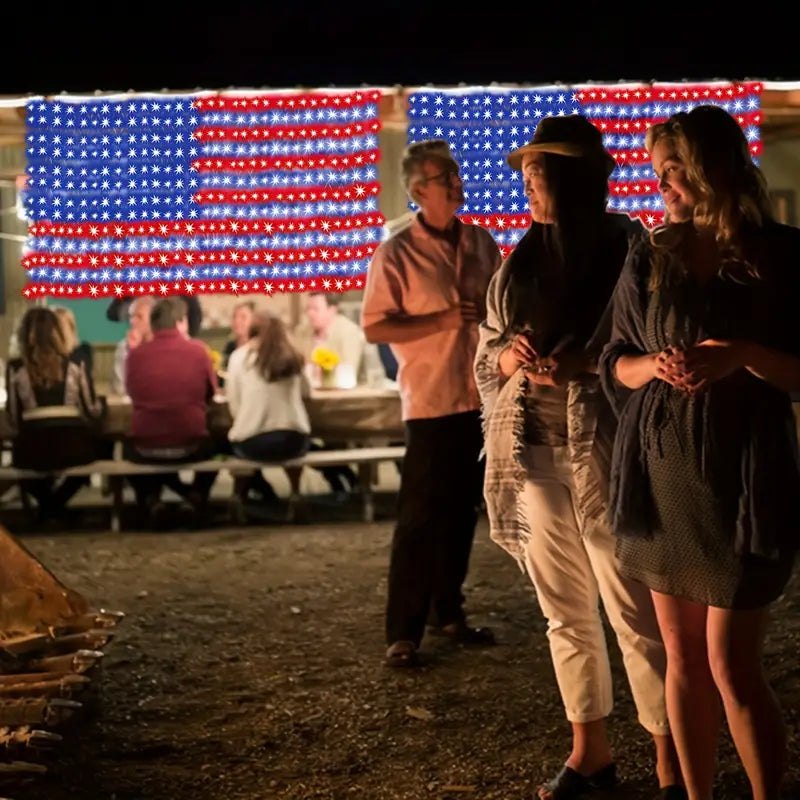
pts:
pixel 418 271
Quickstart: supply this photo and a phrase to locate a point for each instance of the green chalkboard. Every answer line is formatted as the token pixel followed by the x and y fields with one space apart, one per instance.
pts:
pixel 93 326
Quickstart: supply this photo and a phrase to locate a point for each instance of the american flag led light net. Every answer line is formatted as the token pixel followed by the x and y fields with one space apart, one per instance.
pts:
pixel 483 125
pixel 198 194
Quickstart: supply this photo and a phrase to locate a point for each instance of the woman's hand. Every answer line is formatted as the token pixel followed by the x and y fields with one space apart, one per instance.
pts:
pixel 561 368
pixel 700 365
pixel 669 366
pixel 518 354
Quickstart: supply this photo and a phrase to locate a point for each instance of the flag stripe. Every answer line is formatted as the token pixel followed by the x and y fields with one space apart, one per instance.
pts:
pixel 93 290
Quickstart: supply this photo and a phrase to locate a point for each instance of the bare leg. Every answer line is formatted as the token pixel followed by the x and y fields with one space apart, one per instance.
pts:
pixel 590 750
pixel 735 642
pixel 668 768
pixel 692 701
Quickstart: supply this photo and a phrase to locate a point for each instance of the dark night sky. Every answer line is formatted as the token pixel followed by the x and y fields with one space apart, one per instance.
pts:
pixel 81 47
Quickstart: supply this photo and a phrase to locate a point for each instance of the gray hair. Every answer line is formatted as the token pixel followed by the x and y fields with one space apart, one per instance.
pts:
pixel 144 299
pixel 418 153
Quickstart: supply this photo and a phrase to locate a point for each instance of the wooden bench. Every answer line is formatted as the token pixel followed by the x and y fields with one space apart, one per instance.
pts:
pixel 364 458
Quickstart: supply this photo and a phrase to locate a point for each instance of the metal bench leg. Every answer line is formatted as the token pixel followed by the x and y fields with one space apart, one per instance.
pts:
pixel 236 504
pixel 116 483
pixel 366 477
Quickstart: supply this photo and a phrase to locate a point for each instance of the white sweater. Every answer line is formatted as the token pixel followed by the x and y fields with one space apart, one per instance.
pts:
pixel 257 406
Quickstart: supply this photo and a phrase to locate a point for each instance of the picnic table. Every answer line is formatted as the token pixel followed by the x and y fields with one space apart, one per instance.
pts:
pixel 360 415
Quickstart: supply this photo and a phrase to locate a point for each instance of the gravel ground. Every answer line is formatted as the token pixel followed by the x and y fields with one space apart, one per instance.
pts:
pixel 249 667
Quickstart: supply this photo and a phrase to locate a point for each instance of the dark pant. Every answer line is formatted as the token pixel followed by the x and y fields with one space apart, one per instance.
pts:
pixel 56 445
pixel 340 477
pixel 272 446
pixel 148 487
pixel 440 491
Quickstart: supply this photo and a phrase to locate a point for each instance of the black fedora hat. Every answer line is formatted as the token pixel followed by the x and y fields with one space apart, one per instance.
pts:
pixel 572 136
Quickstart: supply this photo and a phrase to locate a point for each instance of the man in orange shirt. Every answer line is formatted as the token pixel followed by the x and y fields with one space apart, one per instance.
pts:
pixel 425 296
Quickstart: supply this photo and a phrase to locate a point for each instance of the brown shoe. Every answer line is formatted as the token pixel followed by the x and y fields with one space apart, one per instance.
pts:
pixel 402 654
pixel 461 633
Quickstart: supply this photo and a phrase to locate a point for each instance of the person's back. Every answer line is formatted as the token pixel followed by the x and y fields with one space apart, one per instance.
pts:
pixel 53 409
pixel 260 406
pixel 265 390
pixel 39 411
pixel 170 381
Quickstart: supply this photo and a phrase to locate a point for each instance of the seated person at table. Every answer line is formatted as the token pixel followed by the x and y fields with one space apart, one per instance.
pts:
pixel 241 322
pixel 265 388
pixel 171 381
pixel 79 352
pixel 328 328
pixel 138 332
pixel 53 409
pixel 120 310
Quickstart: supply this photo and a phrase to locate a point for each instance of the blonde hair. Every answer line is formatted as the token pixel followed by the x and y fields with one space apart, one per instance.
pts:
pixel 731 191
pixel 69 327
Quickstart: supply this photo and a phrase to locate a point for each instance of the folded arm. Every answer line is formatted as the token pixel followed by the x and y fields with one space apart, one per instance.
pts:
pixel 399 328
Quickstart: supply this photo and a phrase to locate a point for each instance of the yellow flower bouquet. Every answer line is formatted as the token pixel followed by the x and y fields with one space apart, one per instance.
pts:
pixel 216 361
pixel 326 360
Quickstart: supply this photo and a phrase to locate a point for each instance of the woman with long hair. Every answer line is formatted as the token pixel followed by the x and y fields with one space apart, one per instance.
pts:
pixel 53 408
pixel 265 387
pixel 548 431
pixel 705 495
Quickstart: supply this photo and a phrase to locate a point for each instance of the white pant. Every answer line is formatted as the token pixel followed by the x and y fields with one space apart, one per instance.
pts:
pixel 570 573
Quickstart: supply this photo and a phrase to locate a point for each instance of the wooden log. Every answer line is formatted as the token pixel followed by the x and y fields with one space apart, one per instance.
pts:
pixel 46 711
pixel 15 739
pixel 79 662
pixel 44 684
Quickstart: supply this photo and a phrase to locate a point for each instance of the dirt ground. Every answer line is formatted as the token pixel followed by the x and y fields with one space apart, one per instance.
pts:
pixel 249 667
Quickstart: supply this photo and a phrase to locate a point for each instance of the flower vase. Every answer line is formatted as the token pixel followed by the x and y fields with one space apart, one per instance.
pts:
pixel 327 379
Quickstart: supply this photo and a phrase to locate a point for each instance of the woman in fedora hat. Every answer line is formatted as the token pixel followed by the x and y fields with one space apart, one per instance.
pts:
pixel 549 430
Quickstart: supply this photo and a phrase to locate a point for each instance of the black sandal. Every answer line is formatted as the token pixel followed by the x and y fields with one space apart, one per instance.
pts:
pixel 569 784
pixel 672 792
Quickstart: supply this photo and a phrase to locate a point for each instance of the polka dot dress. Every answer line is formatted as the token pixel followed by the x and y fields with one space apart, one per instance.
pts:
pixel 696 492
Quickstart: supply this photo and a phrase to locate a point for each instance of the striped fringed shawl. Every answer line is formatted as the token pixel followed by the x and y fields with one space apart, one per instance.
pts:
pixel 503 413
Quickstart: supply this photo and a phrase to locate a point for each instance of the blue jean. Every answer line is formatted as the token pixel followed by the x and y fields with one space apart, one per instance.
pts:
pixel 272 446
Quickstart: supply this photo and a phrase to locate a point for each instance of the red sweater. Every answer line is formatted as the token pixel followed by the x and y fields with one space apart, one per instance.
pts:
pixel 170 381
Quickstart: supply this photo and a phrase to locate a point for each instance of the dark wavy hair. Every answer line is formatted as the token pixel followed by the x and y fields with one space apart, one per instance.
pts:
pixel 578 190
pixel 43 347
